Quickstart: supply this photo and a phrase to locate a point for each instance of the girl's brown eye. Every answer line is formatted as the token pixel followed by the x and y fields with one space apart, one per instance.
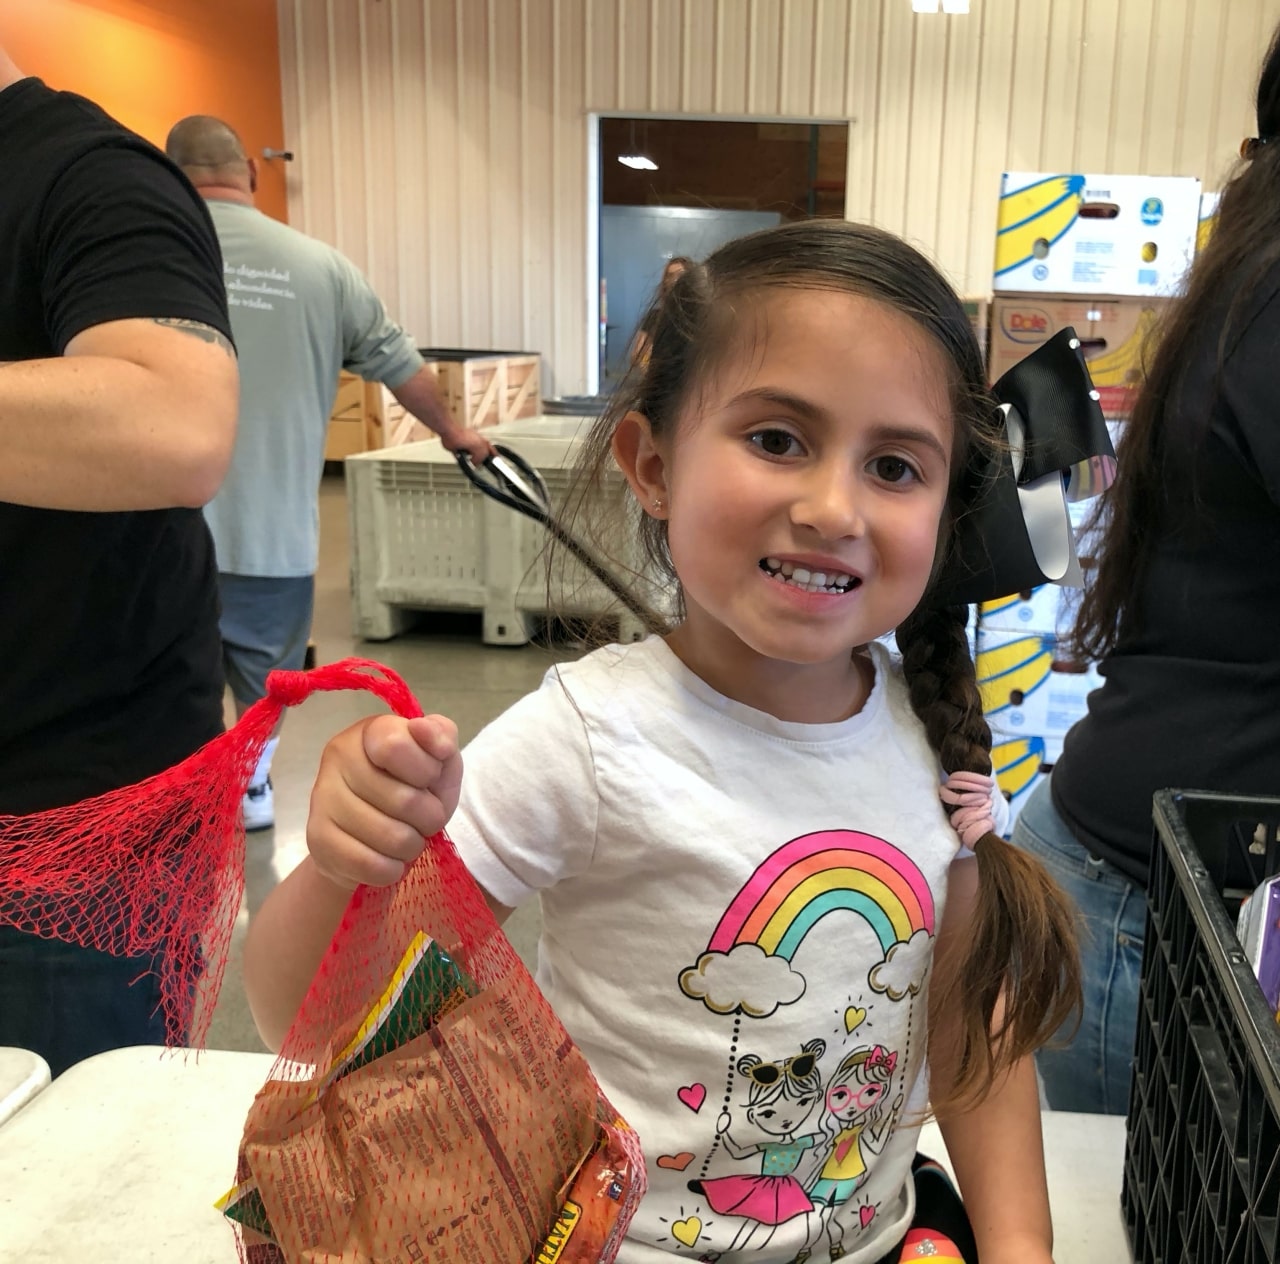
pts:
pixel 774 442
pixel 893 469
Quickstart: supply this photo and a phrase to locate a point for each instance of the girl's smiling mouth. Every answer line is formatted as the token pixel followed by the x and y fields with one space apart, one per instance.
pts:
pixel 809 580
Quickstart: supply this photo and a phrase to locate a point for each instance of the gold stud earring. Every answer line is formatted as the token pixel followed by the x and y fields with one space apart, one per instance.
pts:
pixel 657 504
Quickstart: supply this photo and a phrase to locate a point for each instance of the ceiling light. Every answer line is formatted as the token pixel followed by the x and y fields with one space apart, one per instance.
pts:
pixel 924 6
pixel 635 157
pixel 955 6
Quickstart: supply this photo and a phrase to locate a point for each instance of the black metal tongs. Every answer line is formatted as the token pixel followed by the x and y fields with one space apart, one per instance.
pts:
pixel 509 479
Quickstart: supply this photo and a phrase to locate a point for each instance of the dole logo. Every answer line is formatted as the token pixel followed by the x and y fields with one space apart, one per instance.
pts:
pixel 1025 324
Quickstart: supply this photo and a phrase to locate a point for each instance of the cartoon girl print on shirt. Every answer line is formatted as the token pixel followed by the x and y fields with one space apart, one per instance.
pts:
pixel 780 1098
pixel 858 1122
pixel 869 902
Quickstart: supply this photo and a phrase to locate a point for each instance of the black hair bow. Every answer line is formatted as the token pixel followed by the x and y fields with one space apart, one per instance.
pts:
pixel 1018 534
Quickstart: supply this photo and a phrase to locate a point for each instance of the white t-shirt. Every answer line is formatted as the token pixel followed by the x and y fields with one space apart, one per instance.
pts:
pixel 738 921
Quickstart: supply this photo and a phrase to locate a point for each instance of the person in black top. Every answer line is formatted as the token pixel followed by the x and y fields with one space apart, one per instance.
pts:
pixel 1184 613
pixel 118 389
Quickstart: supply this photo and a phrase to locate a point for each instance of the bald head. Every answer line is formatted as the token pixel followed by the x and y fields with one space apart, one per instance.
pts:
pixel 9 73
pixel 212 156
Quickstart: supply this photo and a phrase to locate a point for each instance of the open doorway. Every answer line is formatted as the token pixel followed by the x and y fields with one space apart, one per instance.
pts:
pixel 678 186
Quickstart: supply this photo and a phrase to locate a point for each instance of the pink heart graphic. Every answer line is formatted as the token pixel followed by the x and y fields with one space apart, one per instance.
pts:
pixel 693 1095
pixel 866 1215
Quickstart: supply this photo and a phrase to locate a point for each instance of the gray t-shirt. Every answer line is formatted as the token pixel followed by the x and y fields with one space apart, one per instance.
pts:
pixel 300 311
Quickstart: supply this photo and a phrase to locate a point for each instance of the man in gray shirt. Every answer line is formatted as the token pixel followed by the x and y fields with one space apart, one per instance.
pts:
pixel 300 311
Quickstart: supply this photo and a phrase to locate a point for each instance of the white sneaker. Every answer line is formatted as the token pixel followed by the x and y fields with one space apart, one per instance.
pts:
pixel 259 807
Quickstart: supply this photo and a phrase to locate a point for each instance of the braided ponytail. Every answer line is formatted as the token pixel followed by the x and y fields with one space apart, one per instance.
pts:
pixel 1021 960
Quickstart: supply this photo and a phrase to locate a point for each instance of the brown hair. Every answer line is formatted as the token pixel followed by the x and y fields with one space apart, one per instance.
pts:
pixel 1023 949
pixel 1244 246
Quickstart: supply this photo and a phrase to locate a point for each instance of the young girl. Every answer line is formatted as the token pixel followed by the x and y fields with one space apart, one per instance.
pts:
pixel 780 1097
pixel 736 830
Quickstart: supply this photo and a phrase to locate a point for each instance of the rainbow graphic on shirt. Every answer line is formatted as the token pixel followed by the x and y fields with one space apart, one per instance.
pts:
pixel 817 874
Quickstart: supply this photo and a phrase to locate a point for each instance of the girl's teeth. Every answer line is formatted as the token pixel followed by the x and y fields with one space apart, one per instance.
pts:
pixel 810 581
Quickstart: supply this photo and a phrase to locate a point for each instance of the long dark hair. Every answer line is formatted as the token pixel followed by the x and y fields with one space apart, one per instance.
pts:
pixel 1022 950
pixel 1244 246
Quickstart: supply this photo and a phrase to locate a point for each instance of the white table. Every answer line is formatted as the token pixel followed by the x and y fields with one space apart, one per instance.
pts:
pixel 22 1075
pixel 122 1157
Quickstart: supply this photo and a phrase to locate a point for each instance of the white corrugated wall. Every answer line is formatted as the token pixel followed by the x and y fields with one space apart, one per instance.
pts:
pixel 442 144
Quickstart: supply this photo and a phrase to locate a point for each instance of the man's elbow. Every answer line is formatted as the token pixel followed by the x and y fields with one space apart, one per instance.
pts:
pixel 204 456
pixel 198 481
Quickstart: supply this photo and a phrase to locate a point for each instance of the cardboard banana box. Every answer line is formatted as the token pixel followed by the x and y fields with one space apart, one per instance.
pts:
pixel 1112 331
pixel 1095 234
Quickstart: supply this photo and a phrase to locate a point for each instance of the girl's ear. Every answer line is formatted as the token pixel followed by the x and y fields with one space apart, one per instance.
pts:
pixel 642 463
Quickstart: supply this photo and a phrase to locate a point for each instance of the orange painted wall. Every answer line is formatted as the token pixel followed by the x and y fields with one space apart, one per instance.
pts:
pixel 150 62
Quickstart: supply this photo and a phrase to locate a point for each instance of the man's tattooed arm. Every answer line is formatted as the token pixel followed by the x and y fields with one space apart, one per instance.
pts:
pixel 206 333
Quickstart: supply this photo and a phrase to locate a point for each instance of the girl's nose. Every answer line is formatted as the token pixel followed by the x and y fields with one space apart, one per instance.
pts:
pixel 831 502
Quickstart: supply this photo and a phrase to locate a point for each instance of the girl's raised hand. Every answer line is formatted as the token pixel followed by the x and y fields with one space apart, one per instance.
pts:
pixel 385 786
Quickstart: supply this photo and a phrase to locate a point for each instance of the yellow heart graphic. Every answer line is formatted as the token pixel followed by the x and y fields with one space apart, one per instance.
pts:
pixel 853 1017
pixel 687 1232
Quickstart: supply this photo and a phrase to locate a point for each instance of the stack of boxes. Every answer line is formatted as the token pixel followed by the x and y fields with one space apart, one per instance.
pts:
pixel 1103 254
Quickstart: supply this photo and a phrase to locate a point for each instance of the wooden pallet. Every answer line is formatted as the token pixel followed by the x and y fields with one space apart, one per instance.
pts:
pixel 491 389
pixel 355 424
pixel 480 391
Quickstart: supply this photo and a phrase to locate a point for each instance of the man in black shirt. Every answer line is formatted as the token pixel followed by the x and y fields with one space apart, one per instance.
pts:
pixel 117 418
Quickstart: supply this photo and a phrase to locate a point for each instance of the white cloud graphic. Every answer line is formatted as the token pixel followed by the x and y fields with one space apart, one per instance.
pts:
pixel 903 968
pixel 746 978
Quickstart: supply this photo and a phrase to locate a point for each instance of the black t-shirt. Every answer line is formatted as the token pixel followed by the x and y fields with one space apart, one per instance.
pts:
pixel 1192 700
pixel 110 662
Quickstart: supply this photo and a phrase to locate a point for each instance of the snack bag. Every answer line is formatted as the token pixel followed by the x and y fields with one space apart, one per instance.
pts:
pixel 428 1104
pixel 589 1226
pixel 1258 929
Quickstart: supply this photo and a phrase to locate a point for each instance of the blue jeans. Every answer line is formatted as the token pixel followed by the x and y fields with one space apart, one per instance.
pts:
pixel 1092 1073
pixel 67 1003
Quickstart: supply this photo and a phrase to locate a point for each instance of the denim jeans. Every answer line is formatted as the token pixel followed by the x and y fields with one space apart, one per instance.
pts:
pixel 1091 1073
pixel 67 1003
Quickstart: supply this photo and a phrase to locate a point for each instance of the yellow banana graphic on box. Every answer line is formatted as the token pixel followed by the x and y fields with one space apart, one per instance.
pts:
pixel 1122 365
pixel 1204 230
pixel 1043 211
pixel 998 605
pixel 1020 666
pixel 1016 764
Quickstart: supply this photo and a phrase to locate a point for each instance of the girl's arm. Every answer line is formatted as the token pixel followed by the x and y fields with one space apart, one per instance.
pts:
pixel 996 1148
pixel 739 1151
pixel 878 1132
pixel 385 785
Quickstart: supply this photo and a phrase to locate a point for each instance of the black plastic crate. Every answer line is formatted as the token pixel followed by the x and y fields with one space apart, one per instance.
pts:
pixel 1202 1163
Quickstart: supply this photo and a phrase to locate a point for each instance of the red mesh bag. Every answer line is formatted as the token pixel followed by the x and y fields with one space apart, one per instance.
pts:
pixel 427 1103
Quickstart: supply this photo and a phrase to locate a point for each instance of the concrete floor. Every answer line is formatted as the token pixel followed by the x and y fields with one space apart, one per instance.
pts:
pixel 447 666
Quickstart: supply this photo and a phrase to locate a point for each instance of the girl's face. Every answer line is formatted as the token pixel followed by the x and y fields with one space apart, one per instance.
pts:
pixel 783 1115
pixel 854 1098
pixel 805 483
